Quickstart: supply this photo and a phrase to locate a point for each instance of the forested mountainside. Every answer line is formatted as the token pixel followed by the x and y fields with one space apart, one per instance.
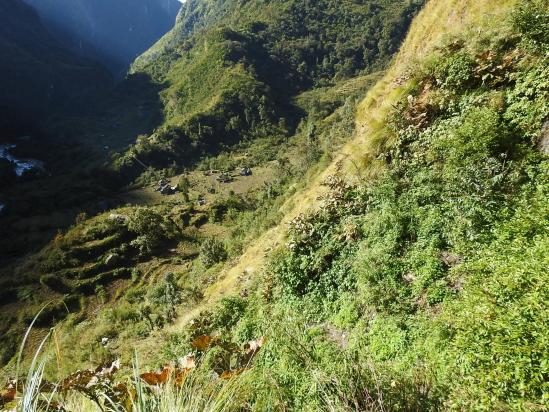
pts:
pixel 232 69
pixel 113 32
pixel 37 73
pixel 337 227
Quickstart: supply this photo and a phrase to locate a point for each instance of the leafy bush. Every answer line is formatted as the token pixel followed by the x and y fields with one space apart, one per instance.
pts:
pixel 228 312
pixel 151 229
pixel 221 207
pixel 54 259
pixel 184 186
pixel 527 101
pixel 457 72
pixel 212 251
pixel 146 222
pixel 531 18
pixel 319 246
pixel 166 295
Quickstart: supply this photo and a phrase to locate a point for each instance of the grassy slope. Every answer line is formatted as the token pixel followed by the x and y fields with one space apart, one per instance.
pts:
pixel 425 34
pixel 359 163
pixel 489 383
pixel 483 369
pixel 357 154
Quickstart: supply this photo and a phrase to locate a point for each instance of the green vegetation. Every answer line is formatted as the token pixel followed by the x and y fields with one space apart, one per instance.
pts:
pixel 211 252
pixel 418 282
pixel 531 18
pixel 431 278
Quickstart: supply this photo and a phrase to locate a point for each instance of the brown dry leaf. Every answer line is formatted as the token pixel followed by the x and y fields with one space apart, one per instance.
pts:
pixel 231 374
pixel 154 378
pixel 178 375
pixel 86 378
pixel 202 343
pixel 78 379
pixel 7 395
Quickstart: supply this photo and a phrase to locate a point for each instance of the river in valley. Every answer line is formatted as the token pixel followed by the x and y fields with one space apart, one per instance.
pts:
pixel 20 166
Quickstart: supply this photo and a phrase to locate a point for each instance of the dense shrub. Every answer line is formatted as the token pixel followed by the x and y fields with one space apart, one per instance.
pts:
pixel 212 251
pixel 500 321
pixel 166 295
pixel 531 17
pixel 151 229
pixel 221 207
pixel 456 73
pixel 228 312
pixel 146 222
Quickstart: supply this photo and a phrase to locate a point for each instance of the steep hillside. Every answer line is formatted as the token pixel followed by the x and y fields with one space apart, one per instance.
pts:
pixel 219 94
pixel 37 74
pixel 113 32
pixel 415 264
pixel 388 252
pixel 223 109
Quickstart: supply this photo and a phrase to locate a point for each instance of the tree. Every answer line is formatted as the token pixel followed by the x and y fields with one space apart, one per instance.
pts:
pixel 212 252
pixel 184 186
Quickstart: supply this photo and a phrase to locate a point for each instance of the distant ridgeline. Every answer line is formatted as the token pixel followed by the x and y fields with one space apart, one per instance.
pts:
pixel 230 69
pixel 114 32
pixel 37 74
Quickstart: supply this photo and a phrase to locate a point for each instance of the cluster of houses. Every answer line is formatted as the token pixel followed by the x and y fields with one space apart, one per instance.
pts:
pixel 226 177
pixel 165 188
